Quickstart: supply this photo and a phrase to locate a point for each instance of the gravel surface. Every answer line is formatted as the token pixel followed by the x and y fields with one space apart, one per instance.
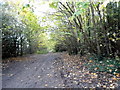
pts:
pixel 54 70
pixel 35 71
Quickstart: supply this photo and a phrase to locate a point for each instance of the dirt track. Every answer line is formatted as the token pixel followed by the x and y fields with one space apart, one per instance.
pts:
pixel 53 70
pixel 35 71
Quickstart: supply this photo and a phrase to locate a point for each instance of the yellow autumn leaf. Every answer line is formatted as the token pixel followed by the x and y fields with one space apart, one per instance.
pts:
pixel 93 73
pixel 101 7
pixel 90 61
pixel 96 68
pixel 118 74
pixel 117 38
pixel 114 78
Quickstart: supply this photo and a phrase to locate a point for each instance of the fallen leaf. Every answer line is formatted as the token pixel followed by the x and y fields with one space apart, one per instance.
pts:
pixel 117 74
pixel 90 61
pixel 114 78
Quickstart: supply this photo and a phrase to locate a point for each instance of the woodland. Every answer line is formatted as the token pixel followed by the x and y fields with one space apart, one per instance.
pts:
pixel 79 28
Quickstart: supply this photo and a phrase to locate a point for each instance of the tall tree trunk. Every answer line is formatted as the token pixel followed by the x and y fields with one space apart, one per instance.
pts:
pixel 95 30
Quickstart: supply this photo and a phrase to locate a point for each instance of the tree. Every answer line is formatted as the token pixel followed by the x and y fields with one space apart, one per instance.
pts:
pixel 92 25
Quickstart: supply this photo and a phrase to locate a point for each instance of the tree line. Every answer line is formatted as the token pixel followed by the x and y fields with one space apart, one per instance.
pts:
pixel 88 27
pixel 79 28
pixel 21 32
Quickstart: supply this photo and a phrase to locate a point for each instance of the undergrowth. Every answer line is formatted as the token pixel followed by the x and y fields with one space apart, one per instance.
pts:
pixel 109 65
pixel 42 52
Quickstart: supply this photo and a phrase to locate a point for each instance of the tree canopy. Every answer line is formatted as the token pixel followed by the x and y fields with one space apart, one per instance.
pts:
pixel 77 27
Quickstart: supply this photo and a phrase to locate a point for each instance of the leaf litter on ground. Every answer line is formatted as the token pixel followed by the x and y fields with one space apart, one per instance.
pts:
pixel 76 73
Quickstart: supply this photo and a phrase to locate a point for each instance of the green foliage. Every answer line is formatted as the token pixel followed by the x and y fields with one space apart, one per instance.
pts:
pixel 21 33
pixel 95 30
pixel 80 27
pixel 106 65
pixel 53 4
pixel 81 8
pixel 60 47
pixel 44 51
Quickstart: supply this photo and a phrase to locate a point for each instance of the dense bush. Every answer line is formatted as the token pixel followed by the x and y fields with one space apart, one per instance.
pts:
pixel 59 48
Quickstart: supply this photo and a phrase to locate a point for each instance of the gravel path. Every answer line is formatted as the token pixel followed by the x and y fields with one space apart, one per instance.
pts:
pixel 35 71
